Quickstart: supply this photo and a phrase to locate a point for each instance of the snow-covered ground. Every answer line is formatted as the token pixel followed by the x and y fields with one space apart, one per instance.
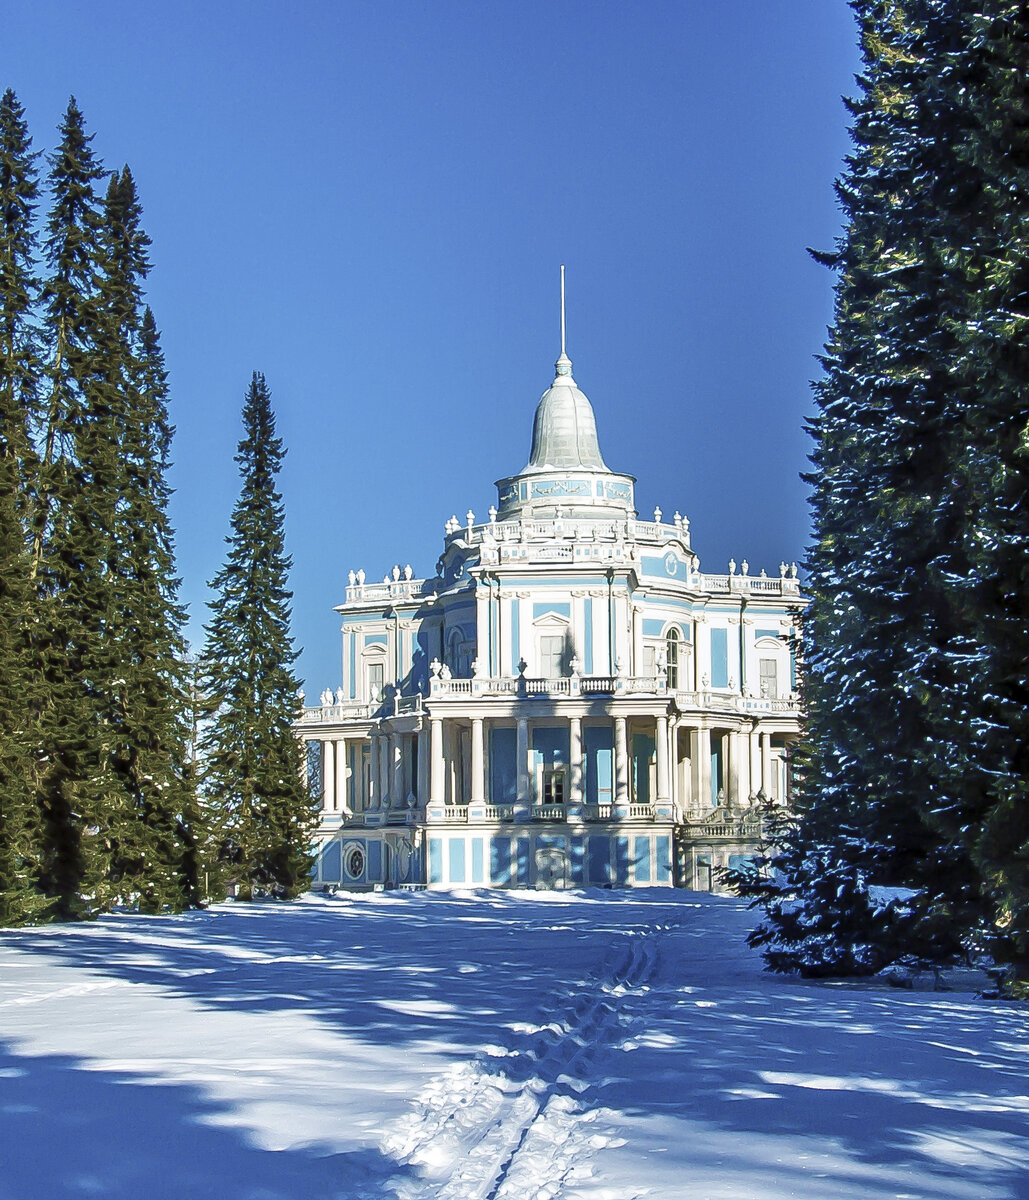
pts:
pixel 506 1046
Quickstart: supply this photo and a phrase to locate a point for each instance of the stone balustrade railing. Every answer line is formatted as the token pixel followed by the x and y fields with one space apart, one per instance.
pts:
pixel 566 687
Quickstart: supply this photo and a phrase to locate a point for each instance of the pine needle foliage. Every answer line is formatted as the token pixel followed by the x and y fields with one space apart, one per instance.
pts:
pixel 262 815
pixel 97 804
pixel 20 900
pixel 917 632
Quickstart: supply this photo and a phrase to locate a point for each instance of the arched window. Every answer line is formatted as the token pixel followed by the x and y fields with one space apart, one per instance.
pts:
pixel 672 658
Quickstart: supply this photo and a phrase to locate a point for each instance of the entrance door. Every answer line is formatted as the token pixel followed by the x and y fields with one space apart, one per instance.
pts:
pixel 551 869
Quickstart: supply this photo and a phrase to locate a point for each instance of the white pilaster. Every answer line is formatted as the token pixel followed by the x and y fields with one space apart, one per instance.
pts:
pixel 436 764
pixel 661 745
pixel 621 762
pixel 328 775
pixel 766 764
pixel 704 768
pixel 522 759
pixel 575 761
pixel 478 780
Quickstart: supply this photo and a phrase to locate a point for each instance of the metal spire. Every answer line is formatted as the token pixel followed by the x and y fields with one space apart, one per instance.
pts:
pixel 562 308
pixel 563 365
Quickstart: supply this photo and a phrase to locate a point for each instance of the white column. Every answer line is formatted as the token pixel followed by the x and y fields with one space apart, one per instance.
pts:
pixel 478 780
pixel 436 765
pixel 575 760
pixel 522 759
pixel 328 775
pixel 621 762
pixel 482 630
pixel 766 764
pixel 396 772
pixel 341 797
pixel 383 765
pixel 733 791
pixel 422 783
pixel 374 795
pixel 703 799
pixel 755 760
pixel 661 745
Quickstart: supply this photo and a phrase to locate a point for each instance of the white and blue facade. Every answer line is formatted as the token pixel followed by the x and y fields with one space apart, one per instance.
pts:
pixel 569 701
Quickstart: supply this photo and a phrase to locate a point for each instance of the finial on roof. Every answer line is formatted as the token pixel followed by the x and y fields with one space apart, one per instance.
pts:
pixel 563 365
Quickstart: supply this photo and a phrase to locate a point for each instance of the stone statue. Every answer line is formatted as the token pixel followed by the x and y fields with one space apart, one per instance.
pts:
pixel 340 699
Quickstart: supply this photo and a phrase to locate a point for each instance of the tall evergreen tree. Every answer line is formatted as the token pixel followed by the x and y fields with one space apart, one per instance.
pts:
pixel 148 703
pixel 914 680
pixel 19 370
pixel 72 529
pixel 252 759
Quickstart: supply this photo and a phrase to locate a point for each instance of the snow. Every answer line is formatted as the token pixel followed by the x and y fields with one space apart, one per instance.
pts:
pixel 487 1046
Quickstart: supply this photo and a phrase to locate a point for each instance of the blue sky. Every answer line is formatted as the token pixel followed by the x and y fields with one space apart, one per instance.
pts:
pixel 369 203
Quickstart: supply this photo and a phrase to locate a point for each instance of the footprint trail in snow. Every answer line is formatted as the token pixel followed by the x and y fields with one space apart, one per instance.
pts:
pixel 515 1123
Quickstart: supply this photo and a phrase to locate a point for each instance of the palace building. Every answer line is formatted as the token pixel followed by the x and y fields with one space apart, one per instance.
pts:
pixel 568 702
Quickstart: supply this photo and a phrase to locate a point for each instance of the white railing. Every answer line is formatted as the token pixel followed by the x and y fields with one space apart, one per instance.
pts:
pixel 396 589
pixel 730 702
pixel 455 812
pixel 337 712
pixel 499 812
pixel 567 685
pixel 547 812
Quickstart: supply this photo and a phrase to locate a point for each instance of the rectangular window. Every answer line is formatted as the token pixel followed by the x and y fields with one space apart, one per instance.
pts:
pixel 552 652
pixel 552 790
pixel 769 674
pixel 376 682
pixel 650 661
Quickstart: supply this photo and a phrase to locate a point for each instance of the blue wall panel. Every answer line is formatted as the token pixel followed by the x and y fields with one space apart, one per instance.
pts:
pixel 522 862
pixel 500 859
pixel 456 860
pixel 587 635
pixel 550 745
pixel 435 860
pixel 598 859
pixel 599 754
pixel 477 861
pixel 641 854
pixel 663 857
pixel 375 862
pixel 503 772
pixel 576 862
pixel 643 754
pixel 332 863
pixel 621 861
pixel 516 653
pixel 719 658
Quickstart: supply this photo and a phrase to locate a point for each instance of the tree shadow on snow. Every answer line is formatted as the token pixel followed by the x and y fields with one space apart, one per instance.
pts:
pixel 884 1083
pixel 69 1131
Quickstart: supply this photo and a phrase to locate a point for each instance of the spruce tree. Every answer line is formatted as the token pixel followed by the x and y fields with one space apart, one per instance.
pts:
pixel 252 781
pixel 148 702
pixel 915 677
pixel 72 526
pixel 20 900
